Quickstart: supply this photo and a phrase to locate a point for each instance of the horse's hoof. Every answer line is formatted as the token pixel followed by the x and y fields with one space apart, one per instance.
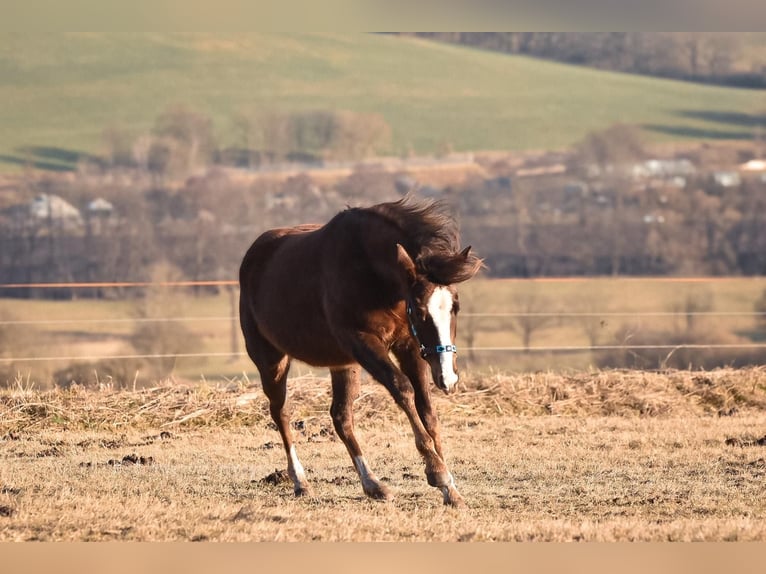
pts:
pixel 305 490
pixel 379 492
pixel 456 501
pixel 452 497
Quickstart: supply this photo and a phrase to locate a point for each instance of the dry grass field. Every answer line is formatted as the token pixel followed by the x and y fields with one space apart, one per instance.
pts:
pixel 606 456
pixel 622 310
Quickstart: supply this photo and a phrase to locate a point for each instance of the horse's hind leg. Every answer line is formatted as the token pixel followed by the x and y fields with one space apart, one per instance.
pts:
pixel 274 382
pixel 345 389
pixel 273 366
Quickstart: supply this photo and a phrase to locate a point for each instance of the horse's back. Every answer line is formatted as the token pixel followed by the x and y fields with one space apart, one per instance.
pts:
pixel 280 282
pixel 264 247
pixel 273 257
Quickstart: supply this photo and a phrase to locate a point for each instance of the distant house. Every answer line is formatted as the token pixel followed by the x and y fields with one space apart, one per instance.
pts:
pixel 47 207
pixel 727 178
pixel 664 168
pixel 753 165
pixel 100 206
pixel 100 214
pixel 45 210
pixel 653 218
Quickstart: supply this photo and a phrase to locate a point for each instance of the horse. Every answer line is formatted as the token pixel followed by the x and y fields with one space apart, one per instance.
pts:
pixel 371 283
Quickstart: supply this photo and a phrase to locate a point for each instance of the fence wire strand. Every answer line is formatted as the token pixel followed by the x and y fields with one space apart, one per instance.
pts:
pixel 479 349
pixel 510 349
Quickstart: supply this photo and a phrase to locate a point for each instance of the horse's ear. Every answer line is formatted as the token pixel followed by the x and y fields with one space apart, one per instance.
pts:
pixel 464 253
pixel 405 262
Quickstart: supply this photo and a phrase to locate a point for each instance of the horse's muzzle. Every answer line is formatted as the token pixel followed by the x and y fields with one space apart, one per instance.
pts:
pixel 442 384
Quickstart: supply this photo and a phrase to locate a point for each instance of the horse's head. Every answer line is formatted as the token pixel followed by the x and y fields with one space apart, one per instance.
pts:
pixel 432 308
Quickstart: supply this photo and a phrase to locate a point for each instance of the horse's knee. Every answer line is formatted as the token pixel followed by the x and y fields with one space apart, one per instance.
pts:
pixel 404 396
pixel 430 420
pixel 340 420
pixel 336 414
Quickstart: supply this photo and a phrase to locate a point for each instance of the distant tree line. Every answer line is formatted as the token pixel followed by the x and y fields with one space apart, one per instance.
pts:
pixel 596 217
pixel 696 56
pixel 183 140
pixel 603 217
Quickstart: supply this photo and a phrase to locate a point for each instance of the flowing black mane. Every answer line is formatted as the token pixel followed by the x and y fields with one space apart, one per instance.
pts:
pixel 429 226
pixel 431 238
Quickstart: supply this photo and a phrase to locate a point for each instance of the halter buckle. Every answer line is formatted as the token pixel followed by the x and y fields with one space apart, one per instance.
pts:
pixel 437 350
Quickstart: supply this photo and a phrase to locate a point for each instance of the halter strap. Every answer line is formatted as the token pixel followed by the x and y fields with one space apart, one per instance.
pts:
pixel 425 351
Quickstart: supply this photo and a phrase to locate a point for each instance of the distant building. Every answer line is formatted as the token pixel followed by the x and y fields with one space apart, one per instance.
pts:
pixel 100 213
pixel 100 206
pixel 753 165
pixel 654 218
pixel 48 210
pixel 52 207
pixel 664 168
pixel 727 178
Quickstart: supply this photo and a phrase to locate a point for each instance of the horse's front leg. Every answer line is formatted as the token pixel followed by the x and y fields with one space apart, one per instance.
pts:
pixel 372 354
pixel 345 390
pixel 418 372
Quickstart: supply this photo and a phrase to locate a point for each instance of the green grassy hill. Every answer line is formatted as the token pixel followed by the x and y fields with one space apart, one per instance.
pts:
pixel 58 93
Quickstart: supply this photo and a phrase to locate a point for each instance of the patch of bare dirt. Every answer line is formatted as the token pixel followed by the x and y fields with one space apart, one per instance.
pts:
pixel 131 459
pixel 746 441
pixel 275 478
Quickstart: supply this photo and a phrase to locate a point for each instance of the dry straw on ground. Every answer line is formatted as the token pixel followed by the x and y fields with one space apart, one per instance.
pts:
pixel 590 456
pixel 234 403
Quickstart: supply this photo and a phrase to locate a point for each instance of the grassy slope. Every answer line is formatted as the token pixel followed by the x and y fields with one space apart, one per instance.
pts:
pixel 63 91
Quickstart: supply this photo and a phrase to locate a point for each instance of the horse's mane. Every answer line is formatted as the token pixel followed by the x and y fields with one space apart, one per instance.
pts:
pixel 430 237
pixel 427 225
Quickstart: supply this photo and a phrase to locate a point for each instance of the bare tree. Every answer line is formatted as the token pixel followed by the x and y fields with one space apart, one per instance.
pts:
pixel 591 304
pixel 693 303
pixel 611 153
pixel 189 137
pixel 357 136
pixel 162 340
pixel 276 135
pixel 532 314
pixel 760 309
pixel 118 147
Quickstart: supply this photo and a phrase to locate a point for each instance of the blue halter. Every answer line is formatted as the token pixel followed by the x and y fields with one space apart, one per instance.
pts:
pixel 426 351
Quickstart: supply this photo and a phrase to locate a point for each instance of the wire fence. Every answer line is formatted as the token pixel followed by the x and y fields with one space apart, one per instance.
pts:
pixel 234 319
pixel 229 318
pixel 509 349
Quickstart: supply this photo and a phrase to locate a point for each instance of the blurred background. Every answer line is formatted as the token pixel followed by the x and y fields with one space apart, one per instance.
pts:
pixel 615 184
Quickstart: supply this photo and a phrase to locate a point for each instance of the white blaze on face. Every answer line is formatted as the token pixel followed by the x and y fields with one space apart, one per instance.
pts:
pixel 440 310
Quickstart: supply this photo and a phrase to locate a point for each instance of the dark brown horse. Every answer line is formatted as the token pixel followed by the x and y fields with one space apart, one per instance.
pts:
pixel 371 283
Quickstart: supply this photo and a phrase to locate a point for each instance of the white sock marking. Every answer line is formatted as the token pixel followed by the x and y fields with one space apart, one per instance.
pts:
pixel 296 465
pixel 446 489
pixel 367 477
pixel 361 467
